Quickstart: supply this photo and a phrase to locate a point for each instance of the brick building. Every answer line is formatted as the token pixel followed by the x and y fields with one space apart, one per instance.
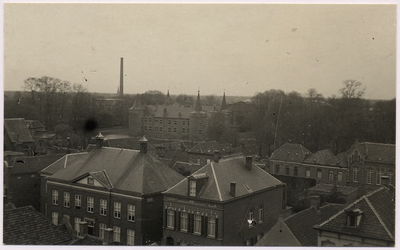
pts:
pixel 226 202
pixel 367 222
pixel 368 162
pixel 110 189
pixel 297 161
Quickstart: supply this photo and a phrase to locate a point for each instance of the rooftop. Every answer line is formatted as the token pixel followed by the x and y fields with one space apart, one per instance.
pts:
pixel 291 152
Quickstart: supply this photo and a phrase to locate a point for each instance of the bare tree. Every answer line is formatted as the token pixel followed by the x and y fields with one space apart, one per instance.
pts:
pixel 352 89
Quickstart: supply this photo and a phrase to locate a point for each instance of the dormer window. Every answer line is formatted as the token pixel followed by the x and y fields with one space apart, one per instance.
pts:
pixel 354 217
pixel 90 180
pixel 192 188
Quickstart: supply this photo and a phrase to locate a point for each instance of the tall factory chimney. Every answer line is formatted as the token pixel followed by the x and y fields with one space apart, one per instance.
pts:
pixel 121 78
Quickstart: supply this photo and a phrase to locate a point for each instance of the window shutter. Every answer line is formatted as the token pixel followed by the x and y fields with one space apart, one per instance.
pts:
pixel 175 220
pixel 216 228
pixel 205 225
pixel 178 221
pixel 165 218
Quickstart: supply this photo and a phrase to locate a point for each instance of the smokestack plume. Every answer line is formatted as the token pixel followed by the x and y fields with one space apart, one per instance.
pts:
pixel 121 78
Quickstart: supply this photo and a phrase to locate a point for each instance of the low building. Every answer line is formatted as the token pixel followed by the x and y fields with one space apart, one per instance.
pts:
pixel 298 229
pixel 228 202
pixel 17 136
pixel 110 189
pixel 367 222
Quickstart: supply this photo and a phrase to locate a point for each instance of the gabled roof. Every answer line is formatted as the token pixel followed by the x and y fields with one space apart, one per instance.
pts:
pixel 221 174
pixel 26 226
pixel 17 130
pixel 127 170
pixel 378 218
pixel 33 163
pixel 377 152
pixel 325 157
pixel 302 224
pixel 291 152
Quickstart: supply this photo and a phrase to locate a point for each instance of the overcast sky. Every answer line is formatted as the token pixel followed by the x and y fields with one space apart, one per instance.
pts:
pixel 240 48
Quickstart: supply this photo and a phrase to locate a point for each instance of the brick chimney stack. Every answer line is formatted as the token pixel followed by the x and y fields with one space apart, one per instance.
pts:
pixel 232 190
pixel 99 140
pixel 216 155
pixel 121 78
pixel 385 180
pixel 143 145
pixel 108 236
pixel 83 229
pixel 249 162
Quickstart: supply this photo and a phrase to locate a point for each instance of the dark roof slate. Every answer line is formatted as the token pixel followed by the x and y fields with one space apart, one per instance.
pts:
pixel 17 130
pixel 378 217
pixel 377 152
pixel 127 170
pixel 32 164
pixel 302 224
pixel 221 174
pixel 291 152
pixel 26 226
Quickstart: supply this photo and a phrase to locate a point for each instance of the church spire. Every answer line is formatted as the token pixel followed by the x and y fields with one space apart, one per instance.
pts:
pixel 137 104
pixel 168 99
pixel 197 106
pixel 223 105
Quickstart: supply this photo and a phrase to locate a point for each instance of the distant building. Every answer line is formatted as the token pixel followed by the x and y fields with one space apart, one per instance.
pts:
pixel 27 226
pixel 227 202
pixel 298 229
pixel 369 161
pixel 367 222
pixel 110 189
pixel 169 121
pixel 297 161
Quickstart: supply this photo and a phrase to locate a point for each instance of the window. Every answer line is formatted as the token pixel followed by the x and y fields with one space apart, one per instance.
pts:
pixel 184 221
pixel 90 180
pixel 161 121
pixel 369 176
pixel 149 119
pixel 330 176
pixel 175 130
pixel 188 130
pixel 251 218
pixel 116 234
pixel 192 188
pixel 131 212
pixel 156 129
pixel 160 129
pixel 54 218
pixel 308 172
pixel 287 170
pixel 188 123
pixel 199 131
pixel 197 224
pixel 354 217
pixel 296 171
pixel 276 169
pixel 102 227
pixel 54 197
pixel 90 204
pixel 170 218
pixel 169 129
pixel 145 119
pixel 169 121
pixel 379 174
pixel 77 225
pixel 340 176
pixel 117 210
pixel 183 122
pixel 183 130
pixel 103 207
pixel 199 124
pixel 211 227
pixel 319 173
pixel 66 199
pixel 174 122
pixel 355 174
pixel 130 240
pixel 78 201
pixel 150 128
pixel 145 128
pixel 261 214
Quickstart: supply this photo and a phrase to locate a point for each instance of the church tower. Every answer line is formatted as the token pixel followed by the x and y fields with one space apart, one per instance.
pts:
pixel 198 122
pixel 136 113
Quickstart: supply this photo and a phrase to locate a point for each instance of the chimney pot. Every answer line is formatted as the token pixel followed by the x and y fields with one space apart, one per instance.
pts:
pixel 232 190
pixel 315 201
pixel 249 162
pixel 216 155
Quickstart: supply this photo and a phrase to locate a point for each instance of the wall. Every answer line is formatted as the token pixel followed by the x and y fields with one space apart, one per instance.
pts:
pixel 24 190
pixel 355 241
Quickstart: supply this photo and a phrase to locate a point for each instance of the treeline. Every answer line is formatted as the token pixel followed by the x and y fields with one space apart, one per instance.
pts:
pixel 274 117
pixel 321 123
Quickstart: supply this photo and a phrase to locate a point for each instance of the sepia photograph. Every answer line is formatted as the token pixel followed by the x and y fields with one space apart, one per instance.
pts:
pixel 199 124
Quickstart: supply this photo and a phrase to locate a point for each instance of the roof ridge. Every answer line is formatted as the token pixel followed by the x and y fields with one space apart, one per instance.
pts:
pixel 347 207
pixel 379 217
pixel 216 181
pixel 43 170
